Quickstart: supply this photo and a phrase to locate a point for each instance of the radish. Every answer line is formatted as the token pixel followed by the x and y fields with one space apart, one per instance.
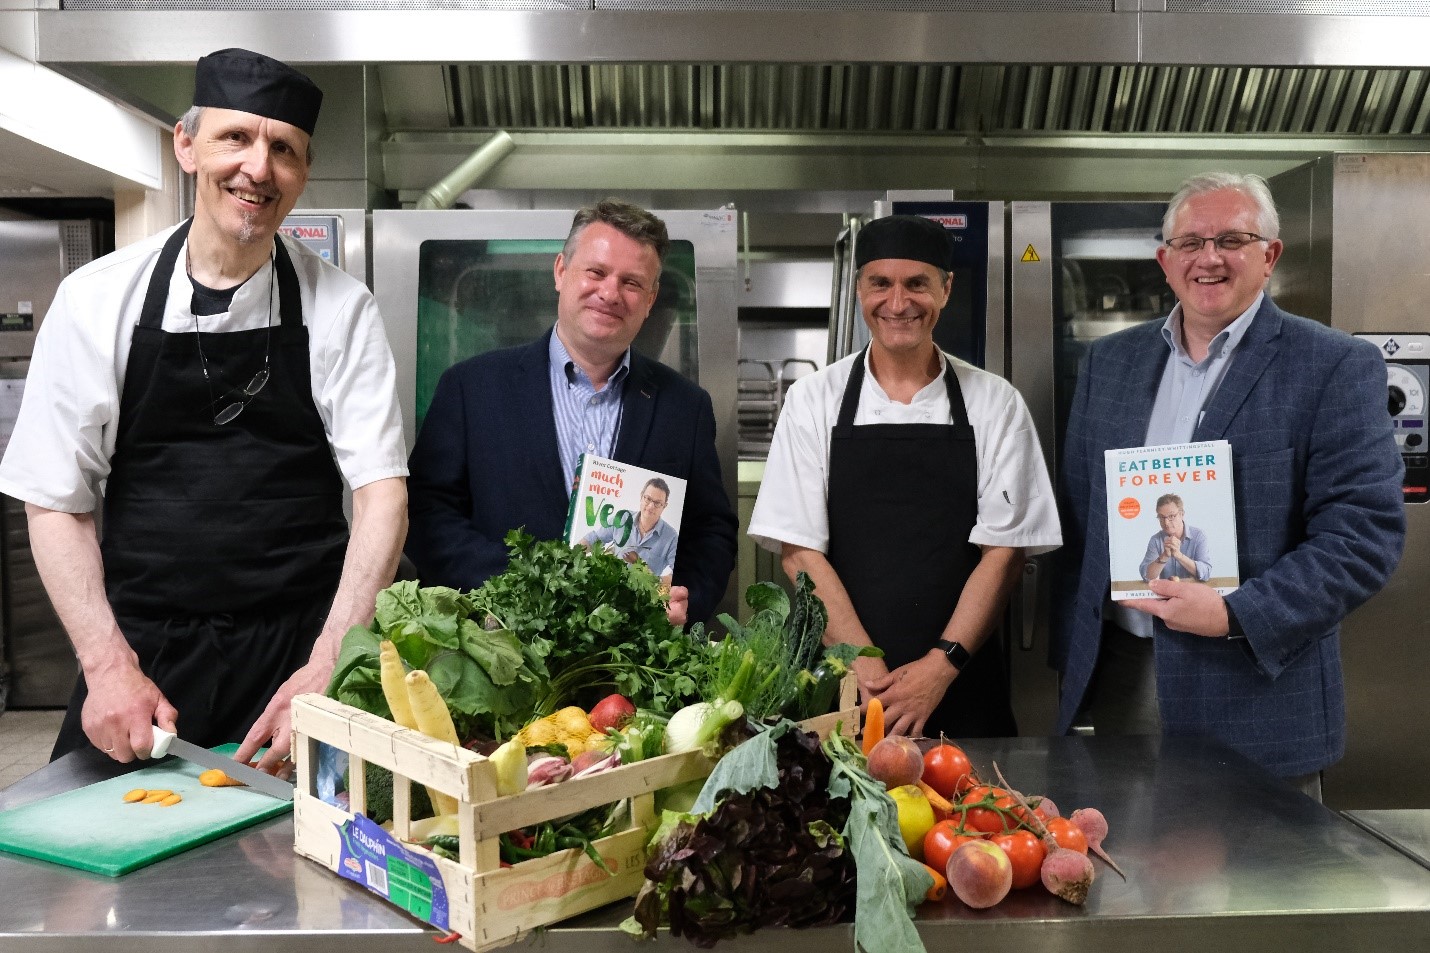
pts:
pixel 1093 825
pixel 1064 876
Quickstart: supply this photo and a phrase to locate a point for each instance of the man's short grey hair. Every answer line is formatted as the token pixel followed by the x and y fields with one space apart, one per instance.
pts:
pixel 191 119
pixel 1254 187
pixel 630 220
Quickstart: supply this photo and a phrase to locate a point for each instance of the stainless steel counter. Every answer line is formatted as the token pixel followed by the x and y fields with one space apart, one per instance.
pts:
pixel 1219 856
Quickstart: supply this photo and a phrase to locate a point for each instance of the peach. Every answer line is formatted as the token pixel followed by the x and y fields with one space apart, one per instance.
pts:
pixel 896 761
pixel 980 874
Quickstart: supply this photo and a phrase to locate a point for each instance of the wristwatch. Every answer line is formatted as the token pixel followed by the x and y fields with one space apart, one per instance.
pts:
pixel 957 655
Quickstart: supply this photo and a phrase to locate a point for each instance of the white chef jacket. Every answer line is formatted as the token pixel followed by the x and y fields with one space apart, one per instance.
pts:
pixel 1016 506
pixel 63 441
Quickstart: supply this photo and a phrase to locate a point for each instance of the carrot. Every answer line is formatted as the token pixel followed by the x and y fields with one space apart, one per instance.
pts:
pixel 154 797
pixel 873 725
pixel 938 801
pixel 138 794
pixel 940 885
pixel 170 801
pixel 430 712
pixel 217 778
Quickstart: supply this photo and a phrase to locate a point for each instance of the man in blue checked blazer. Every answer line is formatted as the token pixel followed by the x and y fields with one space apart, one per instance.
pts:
pixel 501 440
pixel 1319 515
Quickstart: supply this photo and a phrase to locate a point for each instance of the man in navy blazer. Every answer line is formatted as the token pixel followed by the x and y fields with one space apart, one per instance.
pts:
pixel 499 445
pixel 1319 514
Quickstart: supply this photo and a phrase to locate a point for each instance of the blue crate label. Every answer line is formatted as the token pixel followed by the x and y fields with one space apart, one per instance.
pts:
pixel 377 860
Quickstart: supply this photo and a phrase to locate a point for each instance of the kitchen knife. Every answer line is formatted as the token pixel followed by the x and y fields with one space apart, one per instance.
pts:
pixel 166 743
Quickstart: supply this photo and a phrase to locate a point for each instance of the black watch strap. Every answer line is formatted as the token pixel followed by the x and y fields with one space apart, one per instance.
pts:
pixel 957 655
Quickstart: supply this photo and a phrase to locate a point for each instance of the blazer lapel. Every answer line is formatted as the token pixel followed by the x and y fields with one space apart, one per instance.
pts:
pixel 532 389
pixel 637 410
pixel 1145 363
pixel 1255 354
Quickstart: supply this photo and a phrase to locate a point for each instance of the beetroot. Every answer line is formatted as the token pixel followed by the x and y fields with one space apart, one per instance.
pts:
pixel 1067 874
pixel 1093 825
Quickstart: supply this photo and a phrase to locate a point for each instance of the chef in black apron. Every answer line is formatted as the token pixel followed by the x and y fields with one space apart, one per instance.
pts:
pixel 899 570
pixel 224 536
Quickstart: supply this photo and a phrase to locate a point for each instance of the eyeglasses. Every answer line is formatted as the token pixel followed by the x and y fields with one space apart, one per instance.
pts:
pixel 1226 241
pixel 652 501
pixel 1168 519
pixel 229 411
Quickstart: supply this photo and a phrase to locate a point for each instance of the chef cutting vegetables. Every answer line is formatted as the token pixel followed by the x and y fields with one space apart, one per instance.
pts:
pixel 208 392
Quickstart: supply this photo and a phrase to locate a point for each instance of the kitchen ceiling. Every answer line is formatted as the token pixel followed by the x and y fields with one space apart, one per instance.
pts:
pixel 938 75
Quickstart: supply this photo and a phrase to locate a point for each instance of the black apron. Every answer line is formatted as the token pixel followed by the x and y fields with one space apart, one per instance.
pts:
pixel 222 543
pixel 902 500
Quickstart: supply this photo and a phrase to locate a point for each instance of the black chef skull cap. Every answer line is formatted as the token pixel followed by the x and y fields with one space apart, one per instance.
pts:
pixel 253 83
pixel 910 237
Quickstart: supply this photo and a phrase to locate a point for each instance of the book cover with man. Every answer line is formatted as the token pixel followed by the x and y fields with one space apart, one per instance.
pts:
pixel 631 512
pixel 1171 515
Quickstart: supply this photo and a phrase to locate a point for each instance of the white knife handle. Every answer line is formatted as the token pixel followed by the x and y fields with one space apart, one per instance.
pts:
pixel 161 742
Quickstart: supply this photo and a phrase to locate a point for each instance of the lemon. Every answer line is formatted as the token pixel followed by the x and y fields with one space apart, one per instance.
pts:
pixel 915 817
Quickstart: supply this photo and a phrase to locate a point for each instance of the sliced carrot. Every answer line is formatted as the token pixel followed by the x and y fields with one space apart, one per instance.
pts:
pixel 216 778
pixel 170 801
pixel 937 801
pixel 940 885
pixel 873 725
pixel 138 794
pixel 154 797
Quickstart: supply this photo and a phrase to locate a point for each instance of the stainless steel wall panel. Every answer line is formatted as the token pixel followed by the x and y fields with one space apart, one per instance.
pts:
pixel 1279 39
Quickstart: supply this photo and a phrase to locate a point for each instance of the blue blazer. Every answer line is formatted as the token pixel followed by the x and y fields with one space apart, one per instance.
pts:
pixel 486 462
pixel 1320 527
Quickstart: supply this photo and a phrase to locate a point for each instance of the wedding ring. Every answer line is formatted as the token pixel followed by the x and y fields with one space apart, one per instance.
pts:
pixel 108 750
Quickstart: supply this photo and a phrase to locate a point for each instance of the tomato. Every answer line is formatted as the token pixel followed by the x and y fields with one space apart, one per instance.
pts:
pixel 1026 853
pixel 947 770
pixel 941 841
pixel 984 818
pixel 1015 816
pixel 1067 834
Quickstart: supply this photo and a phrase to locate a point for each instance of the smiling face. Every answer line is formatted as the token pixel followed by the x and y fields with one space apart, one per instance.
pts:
pixel 1169 518
pixel 605 289
pixel 249 173
pixel 1215 286
pixel 653 501
pixel 901 300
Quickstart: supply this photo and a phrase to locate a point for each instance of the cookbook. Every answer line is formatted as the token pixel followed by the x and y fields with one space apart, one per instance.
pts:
pixel 1171 514
pixel 629 511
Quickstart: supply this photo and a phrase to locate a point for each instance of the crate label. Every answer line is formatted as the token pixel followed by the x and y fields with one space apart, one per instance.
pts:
pixel 377 860
pixel 566 882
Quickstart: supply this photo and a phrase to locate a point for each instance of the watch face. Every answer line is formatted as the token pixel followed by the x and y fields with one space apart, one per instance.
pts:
pixel 956 653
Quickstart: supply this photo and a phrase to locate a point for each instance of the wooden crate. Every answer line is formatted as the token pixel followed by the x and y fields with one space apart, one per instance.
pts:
pixel 487 904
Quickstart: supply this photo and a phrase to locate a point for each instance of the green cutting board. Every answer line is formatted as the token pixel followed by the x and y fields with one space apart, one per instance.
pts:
pixel 93 829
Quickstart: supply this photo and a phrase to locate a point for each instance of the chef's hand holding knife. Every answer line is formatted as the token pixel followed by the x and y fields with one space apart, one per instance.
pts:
pixel 122 707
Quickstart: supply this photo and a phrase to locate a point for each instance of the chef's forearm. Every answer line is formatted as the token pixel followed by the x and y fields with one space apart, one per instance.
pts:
pixel 66 551
pixel 844 625
pixel 379 526
pixel 985 595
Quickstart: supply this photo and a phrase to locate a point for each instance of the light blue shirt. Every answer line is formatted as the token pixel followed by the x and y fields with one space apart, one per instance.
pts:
pixel 587 420
pixel 1194 547
pixel 1183 393
pixel 656 548
pixel 1186 387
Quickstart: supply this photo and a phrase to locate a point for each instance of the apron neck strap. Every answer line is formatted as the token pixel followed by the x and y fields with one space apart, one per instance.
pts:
pixel 289 298
pixel 153 314
pixel 850 403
